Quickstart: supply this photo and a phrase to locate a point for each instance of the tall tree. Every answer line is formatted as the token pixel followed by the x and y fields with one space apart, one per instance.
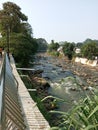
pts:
pixel 11 17
pixel 19 33
pixel 26 29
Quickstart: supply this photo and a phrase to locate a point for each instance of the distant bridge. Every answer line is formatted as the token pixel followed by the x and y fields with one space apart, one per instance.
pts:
pixel 17 109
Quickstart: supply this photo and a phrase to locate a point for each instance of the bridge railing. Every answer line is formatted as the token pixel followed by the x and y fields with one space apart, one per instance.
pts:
pixel 11 117
pixel 2 114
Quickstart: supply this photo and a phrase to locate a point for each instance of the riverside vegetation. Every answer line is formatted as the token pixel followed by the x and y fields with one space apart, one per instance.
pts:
pixel 84 113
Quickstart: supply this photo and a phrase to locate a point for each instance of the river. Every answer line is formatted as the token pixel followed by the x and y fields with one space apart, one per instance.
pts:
pixel 64 84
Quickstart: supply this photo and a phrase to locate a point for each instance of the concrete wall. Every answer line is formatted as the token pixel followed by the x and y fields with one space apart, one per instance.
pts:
pixel 86 61
pixel 34 119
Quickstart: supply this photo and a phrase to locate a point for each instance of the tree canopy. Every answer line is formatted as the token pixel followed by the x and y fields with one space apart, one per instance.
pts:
pixel 89 49
pixel 53 46
pixel 14 25
pixel 11 16
pixel 68 49
pixel 42 44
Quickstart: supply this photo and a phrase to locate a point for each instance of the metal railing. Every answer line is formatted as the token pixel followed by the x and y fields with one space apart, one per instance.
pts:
pixel 11 117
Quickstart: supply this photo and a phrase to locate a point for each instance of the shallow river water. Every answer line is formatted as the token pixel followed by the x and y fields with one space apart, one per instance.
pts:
pixel 63 83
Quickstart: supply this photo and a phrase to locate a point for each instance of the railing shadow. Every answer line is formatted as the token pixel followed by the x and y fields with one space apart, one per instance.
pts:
pixel 11 117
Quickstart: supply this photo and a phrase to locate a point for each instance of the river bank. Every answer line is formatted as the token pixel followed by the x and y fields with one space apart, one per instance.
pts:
pixel 49 74
pixel 88 73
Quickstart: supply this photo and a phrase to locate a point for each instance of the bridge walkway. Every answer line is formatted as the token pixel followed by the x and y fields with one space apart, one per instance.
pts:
pixel 33 118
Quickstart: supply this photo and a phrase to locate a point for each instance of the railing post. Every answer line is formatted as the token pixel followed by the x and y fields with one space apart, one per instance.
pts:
pixel 10 111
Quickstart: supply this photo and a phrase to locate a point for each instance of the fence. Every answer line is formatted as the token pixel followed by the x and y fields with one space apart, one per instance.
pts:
pixel 11 117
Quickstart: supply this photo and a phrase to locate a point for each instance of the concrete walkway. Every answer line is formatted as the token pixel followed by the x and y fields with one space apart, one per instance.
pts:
pixel 33 117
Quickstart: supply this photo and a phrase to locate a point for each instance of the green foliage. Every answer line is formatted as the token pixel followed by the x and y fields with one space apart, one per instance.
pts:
pixel 89 49
pixel 11 17
pixel 79 44
pixel 83 116
pixel 77 55
pixel 26 29
pixel 42 44
pixel 68 49
pixel 54 53
pixel 3 42
pixel 19 34
pixel 22 47
pixel 53 46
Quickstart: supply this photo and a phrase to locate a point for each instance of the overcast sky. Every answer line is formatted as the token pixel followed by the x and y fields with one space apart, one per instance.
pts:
pixel 61 20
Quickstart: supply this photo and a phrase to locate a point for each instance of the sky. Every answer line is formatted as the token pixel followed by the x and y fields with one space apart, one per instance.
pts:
pixel 61 20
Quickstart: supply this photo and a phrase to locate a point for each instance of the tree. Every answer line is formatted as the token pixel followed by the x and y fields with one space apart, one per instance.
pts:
pixel 89 50
pixel 79 44
pixel 19 32
pixel 42 44
pixel 11 17
pixel 22 48
pixel 68 49
pixel 53 46
pixel 10 20
pixel 26 29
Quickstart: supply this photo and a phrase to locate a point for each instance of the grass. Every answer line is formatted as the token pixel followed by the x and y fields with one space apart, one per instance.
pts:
pixel 83 116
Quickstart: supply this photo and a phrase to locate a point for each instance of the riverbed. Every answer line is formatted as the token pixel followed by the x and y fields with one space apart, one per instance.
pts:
pixel 64 83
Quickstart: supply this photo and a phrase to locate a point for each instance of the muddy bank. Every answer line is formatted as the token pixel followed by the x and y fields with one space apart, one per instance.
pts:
pixel 42 86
